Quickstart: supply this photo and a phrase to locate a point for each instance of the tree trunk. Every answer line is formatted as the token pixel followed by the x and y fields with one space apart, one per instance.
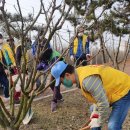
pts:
pixel 102 47
pixel 116 66
pixel 11 128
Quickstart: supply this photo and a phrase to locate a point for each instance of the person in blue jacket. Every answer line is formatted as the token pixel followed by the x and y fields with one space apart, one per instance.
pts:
pixel 79 50
pixel 42 45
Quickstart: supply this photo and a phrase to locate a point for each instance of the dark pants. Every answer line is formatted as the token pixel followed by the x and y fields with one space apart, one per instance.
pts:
pixel 38 83
pixel 82 59
pixel 5 83
pixel 56 91
pixel 98 128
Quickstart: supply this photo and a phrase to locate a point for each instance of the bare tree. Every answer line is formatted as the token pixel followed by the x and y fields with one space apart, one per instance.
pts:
pixel 11 119
pixel 115 54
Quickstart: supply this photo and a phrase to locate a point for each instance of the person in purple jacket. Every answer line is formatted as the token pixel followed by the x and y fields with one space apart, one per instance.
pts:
pixel 47 58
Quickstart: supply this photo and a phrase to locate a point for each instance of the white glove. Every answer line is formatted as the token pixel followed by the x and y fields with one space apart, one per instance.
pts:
pixel 95 118
pixel 88 56
pixel 72 58
pixel 95 122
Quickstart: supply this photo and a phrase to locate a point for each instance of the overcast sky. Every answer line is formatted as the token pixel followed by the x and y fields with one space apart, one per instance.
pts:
pixel 27 6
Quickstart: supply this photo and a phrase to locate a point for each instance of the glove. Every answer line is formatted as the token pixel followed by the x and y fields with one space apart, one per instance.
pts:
pixel 88 56
pixel 95 122
pixel 7 72
pixel 72 58
pixel 95 119
pixel 41 66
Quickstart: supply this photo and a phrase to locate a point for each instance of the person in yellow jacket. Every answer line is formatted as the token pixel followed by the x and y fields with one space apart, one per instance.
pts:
pixel 79 50
pixel 20 54
pixel 6 60
pixel 5 50
pixel 7 56
pixel 101 85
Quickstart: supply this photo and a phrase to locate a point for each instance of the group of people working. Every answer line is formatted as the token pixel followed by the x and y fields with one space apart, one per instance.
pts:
pixel 10 55
pixel 101 85
pixel 105 87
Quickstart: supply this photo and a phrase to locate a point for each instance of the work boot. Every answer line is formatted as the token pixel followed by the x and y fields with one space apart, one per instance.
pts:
pixel 53 106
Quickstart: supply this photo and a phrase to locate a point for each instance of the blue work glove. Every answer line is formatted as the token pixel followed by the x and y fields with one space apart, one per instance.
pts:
pixel 42 66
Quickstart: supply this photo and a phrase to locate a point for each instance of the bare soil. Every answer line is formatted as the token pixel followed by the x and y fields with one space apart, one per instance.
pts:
pixel 70 115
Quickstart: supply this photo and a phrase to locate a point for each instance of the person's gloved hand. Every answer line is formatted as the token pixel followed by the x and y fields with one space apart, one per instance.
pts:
pixel 95 120
pixel 72 58
pixel 88 56
pixel 41 66
pixel 6 72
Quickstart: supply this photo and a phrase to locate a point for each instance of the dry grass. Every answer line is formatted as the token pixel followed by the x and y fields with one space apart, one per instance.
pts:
pixel 70 114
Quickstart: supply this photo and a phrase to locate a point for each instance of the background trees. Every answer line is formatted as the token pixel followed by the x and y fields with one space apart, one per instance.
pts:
pixel 105 19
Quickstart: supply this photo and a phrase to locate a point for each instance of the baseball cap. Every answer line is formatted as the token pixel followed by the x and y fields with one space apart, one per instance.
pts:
pixel 57 70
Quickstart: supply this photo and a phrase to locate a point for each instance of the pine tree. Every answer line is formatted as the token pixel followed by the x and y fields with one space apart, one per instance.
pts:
pixel 14 20
pixel 113 17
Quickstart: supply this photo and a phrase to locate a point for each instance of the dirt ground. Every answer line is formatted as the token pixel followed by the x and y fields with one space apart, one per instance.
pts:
pixel 70 115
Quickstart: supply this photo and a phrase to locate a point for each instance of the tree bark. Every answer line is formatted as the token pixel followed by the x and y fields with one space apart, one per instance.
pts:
pixel 102 47
pixel 11 128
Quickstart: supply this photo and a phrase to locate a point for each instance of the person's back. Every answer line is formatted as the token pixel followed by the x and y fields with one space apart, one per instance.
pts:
pixel 8 54
pixel 117 88
pixel 47 58
pixel 28 56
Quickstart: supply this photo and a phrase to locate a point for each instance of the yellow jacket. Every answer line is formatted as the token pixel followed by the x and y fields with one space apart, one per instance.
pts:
pixel 6 48
pixel 116 83
pixel 75 46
